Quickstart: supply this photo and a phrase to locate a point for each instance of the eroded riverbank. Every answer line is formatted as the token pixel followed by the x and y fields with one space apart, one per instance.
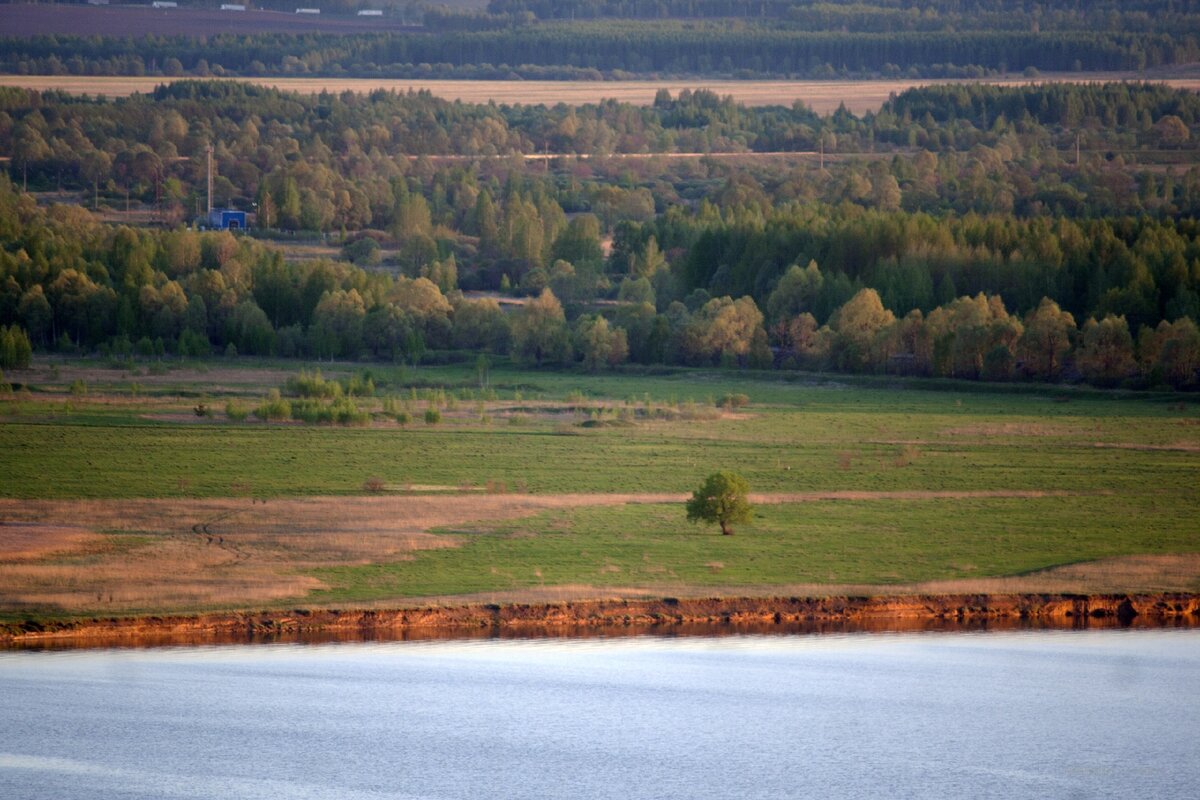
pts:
pixel 666 615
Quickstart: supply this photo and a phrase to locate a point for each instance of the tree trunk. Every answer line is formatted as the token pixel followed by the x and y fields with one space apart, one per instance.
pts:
pixel 725 529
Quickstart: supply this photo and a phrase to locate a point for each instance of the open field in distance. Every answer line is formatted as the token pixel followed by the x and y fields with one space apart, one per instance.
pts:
pixel 120 499
pixel 822 96
pixel 47 19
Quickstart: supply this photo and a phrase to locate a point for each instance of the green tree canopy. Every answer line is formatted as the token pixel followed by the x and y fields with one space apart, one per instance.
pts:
pixel 723 498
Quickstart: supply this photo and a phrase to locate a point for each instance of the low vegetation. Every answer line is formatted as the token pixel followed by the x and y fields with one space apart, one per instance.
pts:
pixel 856 486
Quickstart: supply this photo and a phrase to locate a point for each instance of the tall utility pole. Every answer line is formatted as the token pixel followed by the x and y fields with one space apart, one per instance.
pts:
pixel 210 152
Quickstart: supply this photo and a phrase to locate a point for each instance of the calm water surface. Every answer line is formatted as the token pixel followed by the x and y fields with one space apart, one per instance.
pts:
pixel 1004 715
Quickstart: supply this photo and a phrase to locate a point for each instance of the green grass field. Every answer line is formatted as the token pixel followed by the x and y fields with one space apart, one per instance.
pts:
pixel 1128 466
pixel 874 543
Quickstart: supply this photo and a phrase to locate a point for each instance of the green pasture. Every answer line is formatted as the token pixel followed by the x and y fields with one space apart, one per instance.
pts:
pixel 834 542
pixel 793 437
pixel 1129 466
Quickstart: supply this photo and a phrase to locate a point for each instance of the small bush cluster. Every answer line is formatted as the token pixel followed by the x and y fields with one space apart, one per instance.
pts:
pixel 732 402
pixel 235 411
pixel 274 409
pixel 341 411
pixel 313 384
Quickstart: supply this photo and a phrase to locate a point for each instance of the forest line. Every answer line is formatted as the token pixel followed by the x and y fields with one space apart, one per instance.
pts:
pixel 980 221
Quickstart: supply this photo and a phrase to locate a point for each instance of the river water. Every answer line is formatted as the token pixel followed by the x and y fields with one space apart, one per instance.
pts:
pixel 1047 714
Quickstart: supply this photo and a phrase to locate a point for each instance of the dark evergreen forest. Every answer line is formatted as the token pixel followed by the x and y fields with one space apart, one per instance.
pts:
pixel 617 38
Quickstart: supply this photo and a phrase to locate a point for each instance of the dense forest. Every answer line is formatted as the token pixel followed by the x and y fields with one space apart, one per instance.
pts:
pixel 956 232
pixel 617 38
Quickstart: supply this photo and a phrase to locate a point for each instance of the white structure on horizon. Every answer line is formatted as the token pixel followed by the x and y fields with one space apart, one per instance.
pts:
pixel 232 7
pixel 308 11
pixel 370 12
pixel 164 4
pixel 97 2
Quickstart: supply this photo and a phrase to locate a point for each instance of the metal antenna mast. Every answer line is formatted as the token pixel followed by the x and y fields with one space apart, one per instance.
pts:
pixel 210 152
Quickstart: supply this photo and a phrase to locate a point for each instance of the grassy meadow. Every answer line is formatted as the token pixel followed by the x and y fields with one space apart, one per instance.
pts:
pixel 559 485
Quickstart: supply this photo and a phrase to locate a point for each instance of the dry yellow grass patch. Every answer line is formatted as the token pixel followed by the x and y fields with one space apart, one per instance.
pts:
pixel 20 541
pixel 1147 573
pixel 822 96
pixel 166 572
pixel 232 552
pixel 212 553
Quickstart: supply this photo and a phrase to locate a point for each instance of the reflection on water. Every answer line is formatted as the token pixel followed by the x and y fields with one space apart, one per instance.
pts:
pixel 116 638
pixel 1012 714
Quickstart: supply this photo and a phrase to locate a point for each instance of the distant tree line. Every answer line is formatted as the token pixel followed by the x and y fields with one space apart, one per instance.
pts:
pixel 332 162
pixel 883 15
pixel 499 48
pixel 69 283
pixel 878 263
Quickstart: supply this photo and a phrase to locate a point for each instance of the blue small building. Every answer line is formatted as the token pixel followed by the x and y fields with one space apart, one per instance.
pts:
pixel 226 219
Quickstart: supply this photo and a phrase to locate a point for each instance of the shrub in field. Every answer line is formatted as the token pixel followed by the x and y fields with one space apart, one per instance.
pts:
pixel 275 408
pixel 345 412
pixel 360 385
pixel 312 384
pixel 433 416
pixel 403 417
pixel 374 485
pixel 341 411
pixel 732 402
pixel 235 411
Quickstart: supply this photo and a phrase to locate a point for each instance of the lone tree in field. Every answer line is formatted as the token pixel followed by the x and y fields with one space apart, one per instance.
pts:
pixel 722 499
